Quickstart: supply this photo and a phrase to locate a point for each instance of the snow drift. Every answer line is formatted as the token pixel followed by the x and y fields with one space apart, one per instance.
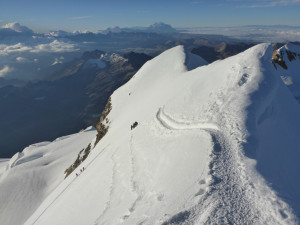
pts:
pixel 214 144
pixel 30 176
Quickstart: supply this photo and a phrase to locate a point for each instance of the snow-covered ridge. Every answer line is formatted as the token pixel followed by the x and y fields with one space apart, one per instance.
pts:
pixel 214 144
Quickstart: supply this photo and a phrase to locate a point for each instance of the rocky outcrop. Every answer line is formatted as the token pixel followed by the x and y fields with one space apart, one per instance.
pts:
pixel 102 126
pixel 277 58
pixel 292 55
pixel 82 155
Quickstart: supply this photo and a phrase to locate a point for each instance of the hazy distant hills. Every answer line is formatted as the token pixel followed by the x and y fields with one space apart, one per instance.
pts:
pixel 221 51
pixel 5 82
pixel 68 102
pixel 26 55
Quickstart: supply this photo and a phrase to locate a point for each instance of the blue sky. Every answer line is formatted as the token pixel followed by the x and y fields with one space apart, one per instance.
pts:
pixel 44 15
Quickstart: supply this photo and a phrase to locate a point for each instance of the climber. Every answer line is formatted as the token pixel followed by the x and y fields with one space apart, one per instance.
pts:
pixel 134 125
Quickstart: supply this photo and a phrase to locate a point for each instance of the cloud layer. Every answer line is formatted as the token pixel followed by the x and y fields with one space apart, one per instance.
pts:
pixel 54 46
pixel 266 3
pixel 255 33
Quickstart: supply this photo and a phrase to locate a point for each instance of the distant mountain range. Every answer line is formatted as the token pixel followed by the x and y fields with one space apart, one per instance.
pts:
pixel 25 55
pixel 154 28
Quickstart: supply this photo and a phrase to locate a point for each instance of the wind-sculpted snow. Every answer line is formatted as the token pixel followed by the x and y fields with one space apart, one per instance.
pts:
pixel 170 123
pixel 29 176
pixel 213 144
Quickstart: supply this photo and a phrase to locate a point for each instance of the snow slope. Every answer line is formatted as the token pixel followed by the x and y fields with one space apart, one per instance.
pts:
pixel 215 144
pixel 28 177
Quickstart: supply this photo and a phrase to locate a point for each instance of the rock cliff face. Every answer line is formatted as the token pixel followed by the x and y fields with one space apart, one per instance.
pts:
pixel 286 53
pixel 82 155
pixel 102 128
pixel 277 58
pixel 103 125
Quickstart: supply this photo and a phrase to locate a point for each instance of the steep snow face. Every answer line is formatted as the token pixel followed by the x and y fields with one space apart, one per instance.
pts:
pixel 290 73
pixel 29 176
pixel 214 144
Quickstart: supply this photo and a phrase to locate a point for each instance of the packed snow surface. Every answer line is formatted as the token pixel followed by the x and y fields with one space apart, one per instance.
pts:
pixel 31 175
pixel 214 144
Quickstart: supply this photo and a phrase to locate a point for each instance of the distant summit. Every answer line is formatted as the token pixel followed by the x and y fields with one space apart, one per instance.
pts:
pixel 154 28
pixel 17 28
pixel 162 28
pixel 12 30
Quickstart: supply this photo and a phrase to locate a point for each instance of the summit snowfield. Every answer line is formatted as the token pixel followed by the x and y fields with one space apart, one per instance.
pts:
pixel 214 144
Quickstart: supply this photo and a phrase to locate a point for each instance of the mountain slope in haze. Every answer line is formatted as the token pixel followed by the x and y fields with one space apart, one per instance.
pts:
pixel 221 51
pixel 66 103
pixel 214 144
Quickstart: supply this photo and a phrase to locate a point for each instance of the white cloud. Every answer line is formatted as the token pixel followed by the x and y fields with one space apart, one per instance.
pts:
pixel 22 59
pixel 7 49
pixel 6 69
pixel 257 33
pixel 55 46
pixel 267 3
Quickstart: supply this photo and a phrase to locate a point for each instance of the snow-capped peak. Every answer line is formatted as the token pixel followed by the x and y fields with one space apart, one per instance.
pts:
pixel 17 27
pixel 112 57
